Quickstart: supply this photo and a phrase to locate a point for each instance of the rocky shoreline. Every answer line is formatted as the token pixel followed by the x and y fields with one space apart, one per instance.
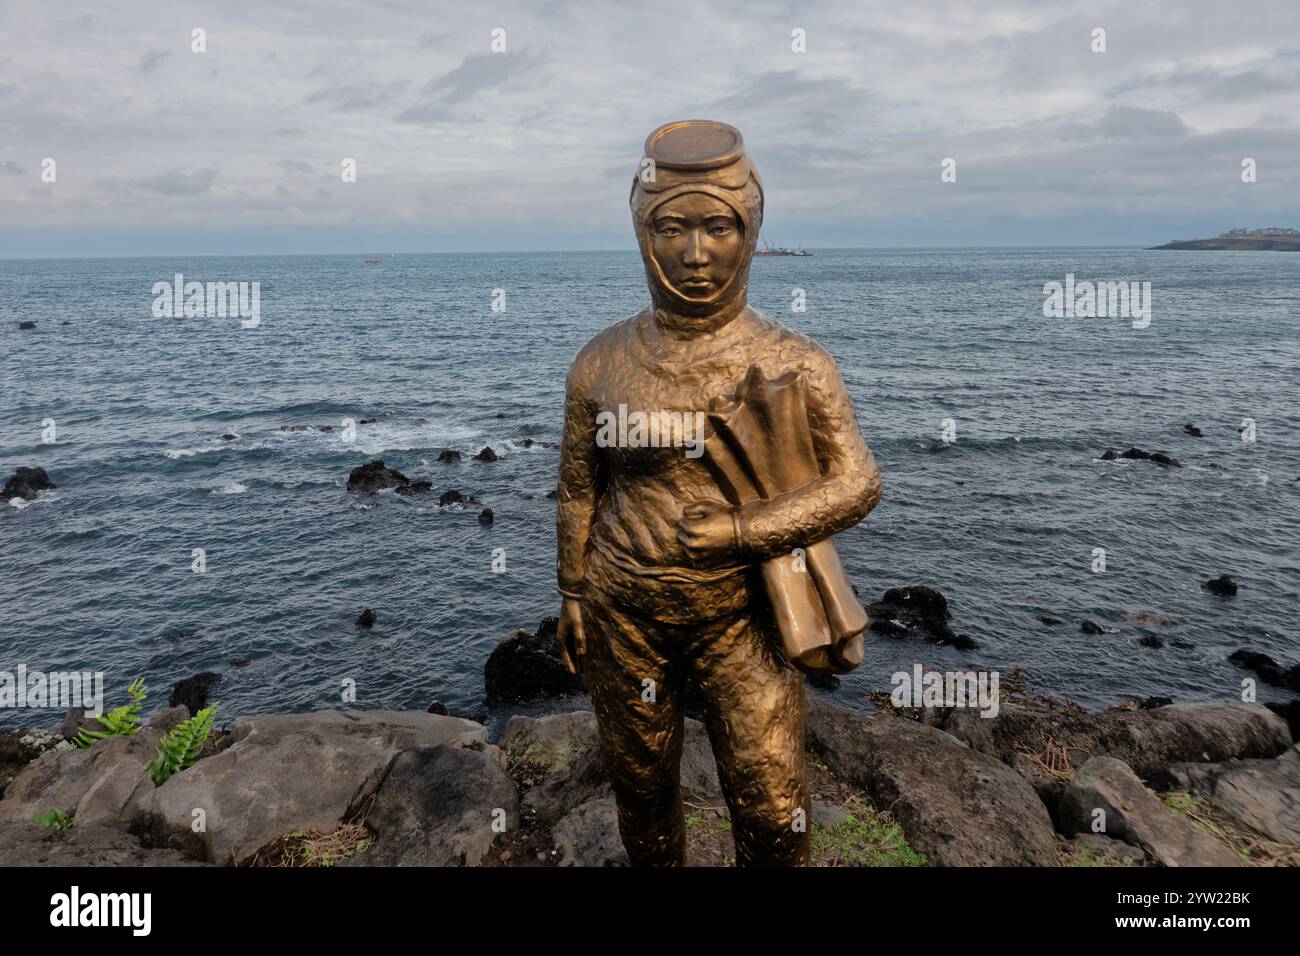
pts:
pixel 1176 784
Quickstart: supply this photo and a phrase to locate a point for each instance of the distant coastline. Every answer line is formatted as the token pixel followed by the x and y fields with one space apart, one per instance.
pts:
pixel 1271 239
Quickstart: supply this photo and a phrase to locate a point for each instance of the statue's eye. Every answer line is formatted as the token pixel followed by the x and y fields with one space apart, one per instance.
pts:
pixel 670 230
pixel 719 230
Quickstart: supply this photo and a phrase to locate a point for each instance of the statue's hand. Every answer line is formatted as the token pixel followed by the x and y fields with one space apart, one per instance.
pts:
pixel 573 641
pixel 708 529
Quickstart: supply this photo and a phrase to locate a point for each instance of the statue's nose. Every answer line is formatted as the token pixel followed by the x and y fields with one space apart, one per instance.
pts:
pixel 695 254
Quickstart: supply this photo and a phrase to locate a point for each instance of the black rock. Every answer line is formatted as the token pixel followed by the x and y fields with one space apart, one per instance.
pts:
pixel 1223 586
pixel 551 494
pixel 485 517
pixel 1151 703
pixel 437 707
pixel 228 437
pixel 527 667
pixel 367 421
pixel 325 428
pixel 1092 627
pixel 1269 670
pixel 526 443
pixel 449 455
pixel 452 497
pixel 824 681
pixel 1051 620
pixel 1137 454
pixel 372 477
pixel 487 454
pixel 917 611
pixel 1193 431
pixel 25 483
pixel 26 325
pixel 1150 640
pixel 192 692
pixel 1290 712
pixel 295 428
pixel 366 618
pixel 416 488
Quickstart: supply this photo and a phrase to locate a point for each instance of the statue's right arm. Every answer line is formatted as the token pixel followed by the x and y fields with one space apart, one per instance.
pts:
pixel 575 508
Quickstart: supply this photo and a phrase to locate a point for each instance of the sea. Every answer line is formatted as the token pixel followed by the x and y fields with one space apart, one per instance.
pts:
pixel 167 549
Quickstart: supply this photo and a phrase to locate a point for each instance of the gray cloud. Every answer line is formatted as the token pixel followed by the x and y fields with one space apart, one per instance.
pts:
pixel 152 60
pixel 177 183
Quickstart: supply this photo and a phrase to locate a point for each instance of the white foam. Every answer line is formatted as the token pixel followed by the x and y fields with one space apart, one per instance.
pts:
pixel 230 488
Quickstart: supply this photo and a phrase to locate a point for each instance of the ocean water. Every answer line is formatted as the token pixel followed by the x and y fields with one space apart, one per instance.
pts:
pixel 97 574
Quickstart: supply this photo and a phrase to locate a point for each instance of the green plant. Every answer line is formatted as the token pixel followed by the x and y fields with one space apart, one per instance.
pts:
pixel 120 721
pixel 55 819
pixel 182 746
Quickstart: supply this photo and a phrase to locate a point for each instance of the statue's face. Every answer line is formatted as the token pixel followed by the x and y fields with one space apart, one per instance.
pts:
pixel 698 242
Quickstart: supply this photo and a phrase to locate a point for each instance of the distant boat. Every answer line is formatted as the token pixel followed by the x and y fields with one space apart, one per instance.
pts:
pixel 771 250
pixel 373 262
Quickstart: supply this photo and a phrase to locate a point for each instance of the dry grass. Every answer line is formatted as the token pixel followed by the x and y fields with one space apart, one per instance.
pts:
pixel 308 848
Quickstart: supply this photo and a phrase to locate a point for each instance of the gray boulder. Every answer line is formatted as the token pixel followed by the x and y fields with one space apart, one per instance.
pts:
pixel 29 844
pixel 439 806
pixel 557 760
pixel 1147 740
pixel 1262 794
pixel 101 785
pixel 958 806
pixel 1136 816
pixel 588 835
pixel 287 772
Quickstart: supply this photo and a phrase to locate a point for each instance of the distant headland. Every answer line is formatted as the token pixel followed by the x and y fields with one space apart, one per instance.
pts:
pixel 1274 239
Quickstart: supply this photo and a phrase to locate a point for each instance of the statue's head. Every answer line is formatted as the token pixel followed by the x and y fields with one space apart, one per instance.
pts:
pixel 697 205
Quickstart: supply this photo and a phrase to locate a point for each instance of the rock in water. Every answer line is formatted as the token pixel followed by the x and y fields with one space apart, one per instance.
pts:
pixel 485 517
pixel 1192 430
pixel 1091 627
pixel 527 667
pixel 1223 586
pixel 917 611
pixel 1136 816
pixel 416 488
pixel 1270 670
pixel 452 497
pixel 449 454
pixel 192 692
pixel 25 483
pixel 26 324
pixel 372 477
pixel 366 619
pixel 487 454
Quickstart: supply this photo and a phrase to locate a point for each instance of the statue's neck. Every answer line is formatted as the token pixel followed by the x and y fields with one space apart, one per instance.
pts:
pixel 680 325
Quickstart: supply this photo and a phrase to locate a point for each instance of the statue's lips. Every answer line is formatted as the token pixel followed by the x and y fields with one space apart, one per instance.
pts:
pixel 698 285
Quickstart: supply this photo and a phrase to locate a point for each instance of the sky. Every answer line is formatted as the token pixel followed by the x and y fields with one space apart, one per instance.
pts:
pixel 239 149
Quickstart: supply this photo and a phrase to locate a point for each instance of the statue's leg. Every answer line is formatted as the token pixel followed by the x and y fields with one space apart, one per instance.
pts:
pixel 754 710
pixel 640 729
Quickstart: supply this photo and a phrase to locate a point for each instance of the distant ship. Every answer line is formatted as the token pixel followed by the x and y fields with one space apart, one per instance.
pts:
pixel 771 250
pixel 373 262
pixel 1272 239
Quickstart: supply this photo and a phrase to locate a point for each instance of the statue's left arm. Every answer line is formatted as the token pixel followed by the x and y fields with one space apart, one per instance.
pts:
pixel 847 490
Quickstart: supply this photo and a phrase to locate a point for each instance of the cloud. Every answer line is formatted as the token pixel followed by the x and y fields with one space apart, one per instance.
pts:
pixel 176 183
pixel 10 168
pixel 152 60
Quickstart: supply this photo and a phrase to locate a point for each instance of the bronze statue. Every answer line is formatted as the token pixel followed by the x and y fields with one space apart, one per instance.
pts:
pixel 709 453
